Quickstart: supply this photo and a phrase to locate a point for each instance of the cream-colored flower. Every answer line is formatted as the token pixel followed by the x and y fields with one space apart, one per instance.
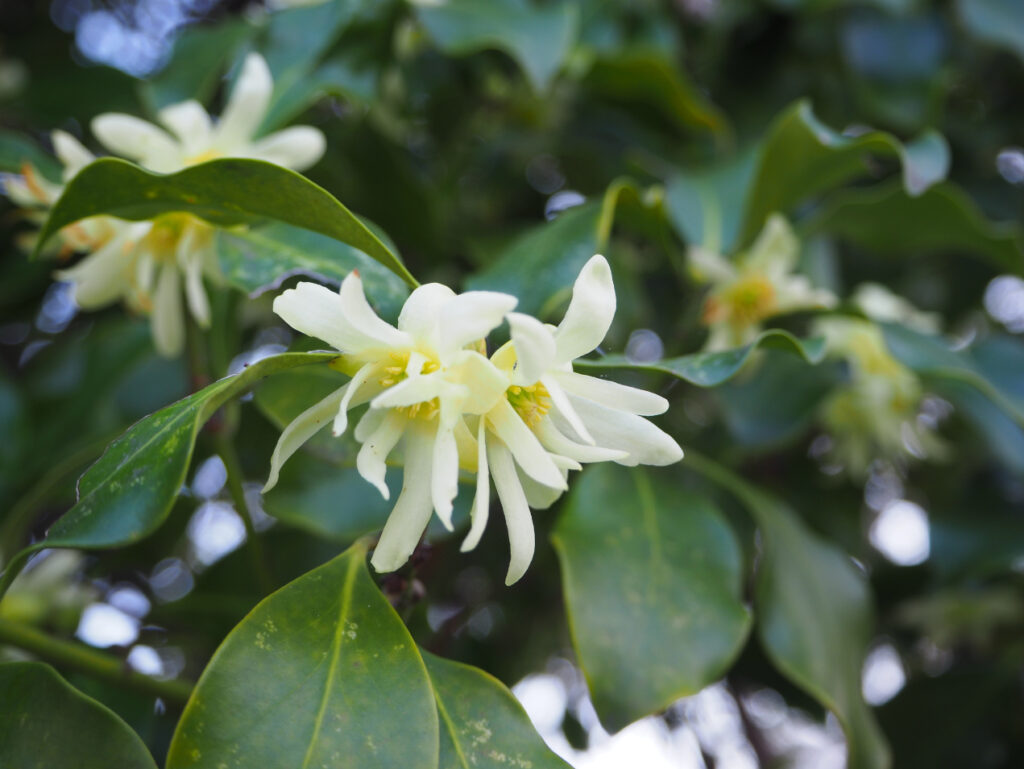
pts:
pixel 875 415
pixel 759 284
pixel 882 305
pixel 420 379
pixel 552 419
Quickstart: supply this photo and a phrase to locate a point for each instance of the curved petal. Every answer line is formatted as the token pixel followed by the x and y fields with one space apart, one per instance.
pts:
pixel 190 123
pixel 645 443
pixel 409 392
pixel 471 316
pixel 535 348
pixel 505 423
pixel 590 312
pixel 555 441
pixel 301 429
pixel 612 394
pixel 317 311
pixel 371 461
pixel 420 313
pixel 356 395
pixel 709 266
pixel 190 259
pixel 517 511
pixel 362 318
pixel 298 147
pixel 485 385
pixel 101 277
pixel 538 496
pixel 168 321
pixel 246 106
pixel 776 249
pixel 482 501
pixel 71 153
pixel 563 406
pixel 444 483
pixel 138 140
pixel 412 511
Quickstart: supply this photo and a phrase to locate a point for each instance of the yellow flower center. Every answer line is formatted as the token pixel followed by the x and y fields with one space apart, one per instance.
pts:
pixel 162 239
pixel 750 300
pixel 202 157
pixel 531 402
pixel 394 372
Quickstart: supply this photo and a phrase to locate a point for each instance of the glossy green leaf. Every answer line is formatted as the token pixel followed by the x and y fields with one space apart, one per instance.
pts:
pixel 334 78
pixel 801 157
pixel 887 220
pixel 259 259
pixel 706 206
pixel 537 36
pixel 709 369
pixel 129 491
pixel 483 726
pixel 45 723
pixel 16 150
pixel 225 192
pixel 652 579
pixel 814 613
pixel 999 22
pixel 647 77
pixel 321 673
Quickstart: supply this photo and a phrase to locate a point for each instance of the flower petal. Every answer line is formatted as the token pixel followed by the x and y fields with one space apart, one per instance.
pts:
pixel 412 511
pixel 709 266
pixel 563 406
pixel 646 443
pixel 246 106
pixel 776 249
pixel 101 277
pixel 191 255
pixel 555 441
pixel 301 429
pixel 535 348
pixel 298 147
pixel 612 394
pixel 168 321
pixel 517 511
pixel 506 424
pixel 408 392
pixel 482 501
pixel 444 484
pixel 138 140
pixel 590 312
pixel 538 496
pixel 356 395
pixel 371 461
pixel 420 313
pixel 190 123
pixel 71 153
pixel 471 316
pixel 483 382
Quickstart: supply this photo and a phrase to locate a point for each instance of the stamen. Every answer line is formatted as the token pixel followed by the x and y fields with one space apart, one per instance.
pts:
pixel 531 402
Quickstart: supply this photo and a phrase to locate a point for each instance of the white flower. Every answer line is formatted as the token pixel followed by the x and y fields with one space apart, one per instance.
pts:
pixel 882 305
pixel 551 419
pixel 757 285
pixel 192 136
pixel 419 379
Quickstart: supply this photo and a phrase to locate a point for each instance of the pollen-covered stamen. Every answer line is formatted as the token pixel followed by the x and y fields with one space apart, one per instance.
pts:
pixel 162 239
pixel 395 372
pixel 531 402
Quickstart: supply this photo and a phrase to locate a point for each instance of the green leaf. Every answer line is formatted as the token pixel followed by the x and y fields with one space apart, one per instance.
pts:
pixel 46 723
pixel 647 77
pixel 334 78
pixel 814 613
pixel 710 369
pixel 801 157
pixel 537 36
pixel 129 491
pixel 225 192
pixel 652 578
pixel 16 150
pixel 201 54
pixel 999 22
pixel 705 206
pixel 887 220
pixel 260 258
pixel 321 673
pixel 483 726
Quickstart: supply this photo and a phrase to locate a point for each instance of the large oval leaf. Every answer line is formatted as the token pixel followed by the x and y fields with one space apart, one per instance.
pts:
pixel 814 613
pixel 483 726
pixel 128 492
pixel 226 192
pixel 652 579
pixel 321 673
pixel 45 723
pixel 708 369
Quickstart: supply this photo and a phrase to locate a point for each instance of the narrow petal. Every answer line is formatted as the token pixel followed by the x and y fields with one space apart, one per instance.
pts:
pixel 356 395
pixel 485 385
pixel 246 106
pixel 412 511
pixel 527 450
pixel 370 422
pixel 138 140
pixel 408 392
pixel 298 147
pixel 190 123
pixel 371 461
pixel 646 443
pixel 555 441
pixel 590 312
pixel 482 501
pixel 612 394
pixel 72 154
pixel 517 511
pixel 776 249
pixel 301 429
pixel 538 496
pixel 168 321
pixel 709 266
pixel 190 255
pixel 101 277
pixel 362 318
pixel 471 316
pixel 420 313
pixel 444 484
pixel 564 407
pixel 535 348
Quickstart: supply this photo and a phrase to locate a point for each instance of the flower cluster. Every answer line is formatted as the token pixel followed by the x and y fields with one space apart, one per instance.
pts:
pixel 521 417
pixel 145 263
pixel 758 284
